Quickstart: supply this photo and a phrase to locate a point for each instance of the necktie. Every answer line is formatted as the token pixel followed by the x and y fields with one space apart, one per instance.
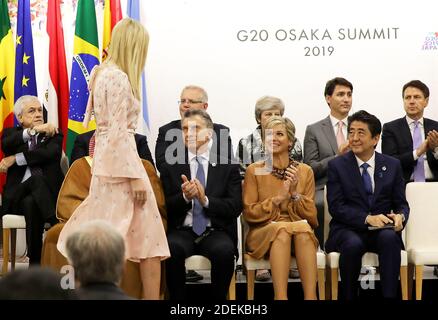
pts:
pixel 34 170
pixel 91 145
pixel 340 139
pixel 199 218
pixel 366 179
pixel 419 167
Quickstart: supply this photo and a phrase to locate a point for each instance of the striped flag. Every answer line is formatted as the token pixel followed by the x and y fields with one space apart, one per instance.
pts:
pixel 25 80
pixel 112 15
pixel 85 57
pixel 134 11
pixel 7 63
pixel 57 94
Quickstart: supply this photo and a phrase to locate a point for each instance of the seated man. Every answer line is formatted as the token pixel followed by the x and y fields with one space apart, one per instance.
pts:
pixel 97 254
pixel 203 200
pixel 32 162
pixel 365 190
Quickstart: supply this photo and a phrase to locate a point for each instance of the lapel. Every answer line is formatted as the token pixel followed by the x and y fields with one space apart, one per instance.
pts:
pixel 379 172
pixel 354 173
pixel 405 132
pixel 213 172
pixel 327 130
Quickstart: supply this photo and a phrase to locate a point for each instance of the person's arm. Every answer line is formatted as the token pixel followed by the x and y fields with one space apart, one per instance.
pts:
pixel 47 151
pixel 12 139
pixel 390 147
pixel 80 149
pixel 143 149
pixel 160 148
pixel 399 195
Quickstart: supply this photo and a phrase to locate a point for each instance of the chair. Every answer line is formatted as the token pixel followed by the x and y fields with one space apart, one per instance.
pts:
pixel 421 230
pixel 12 222
pixel 369 259
pixel 251 265
pixel 198 262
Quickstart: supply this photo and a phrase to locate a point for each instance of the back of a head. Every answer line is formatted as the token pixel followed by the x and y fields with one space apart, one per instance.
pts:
pixel 36 283
pixel 97 253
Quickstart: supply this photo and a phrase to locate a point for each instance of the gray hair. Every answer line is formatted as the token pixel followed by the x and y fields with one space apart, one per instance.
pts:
pixel 286 122
pixel 22 101
pixel 97 253
pixel 202 113
pixel 204 96
pixel 268 103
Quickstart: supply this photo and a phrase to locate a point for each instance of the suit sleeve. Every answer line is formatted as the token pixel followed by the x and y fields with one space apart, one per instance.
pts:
pixel 399 202
pixel 391 147
pixel 143 149
pixel 80 149
pixel 45 152
pixel 160 149
pixel 12 139
pixel 353 216
pixel 312 156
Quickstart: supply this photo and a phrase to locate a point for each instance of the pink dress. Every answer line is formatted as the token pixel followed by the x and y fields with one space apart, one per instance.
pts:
pixel 115 163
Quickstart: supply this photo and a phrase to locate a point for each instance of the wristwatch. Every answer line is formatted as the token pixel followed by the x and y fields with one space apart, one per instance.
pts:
pixel 31 132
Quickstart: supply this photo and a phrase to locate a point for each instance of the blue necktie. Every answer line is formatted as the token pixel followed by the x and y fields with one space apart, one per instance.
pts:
pixel 366 179
pixel 199 219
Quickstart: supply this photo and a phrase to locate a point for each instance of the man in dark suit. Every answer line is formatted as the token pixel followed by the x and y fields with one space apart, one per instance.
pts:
pixel 170 144
pixel 365 189
pixel 326 139
pixel 32 162
pixel 203 200
pixel 413 139
pixel 82 144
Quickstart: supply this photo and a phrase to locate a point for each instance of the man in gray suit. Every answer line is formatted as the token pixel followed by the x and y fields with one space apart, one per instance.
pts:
pixel 326 139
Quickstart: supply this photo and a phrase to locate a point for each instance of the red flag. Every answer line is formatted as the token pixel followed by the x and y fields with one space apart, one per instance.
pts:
pixel 57 94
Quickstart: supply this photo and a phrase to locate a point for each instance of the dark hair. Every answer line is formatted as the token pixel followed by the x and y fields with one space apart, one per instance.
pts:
pixel 371 120
pixel 36 283
pixel 202 113
pixel 416 84
pixel 331 85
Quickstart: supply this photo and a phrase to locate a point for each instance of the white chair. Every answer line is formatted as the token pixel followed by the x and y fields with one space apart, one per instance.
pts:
pixel 369 259
pixel 251 265
pixel 12 222
pixel 422 229
pixel 198 262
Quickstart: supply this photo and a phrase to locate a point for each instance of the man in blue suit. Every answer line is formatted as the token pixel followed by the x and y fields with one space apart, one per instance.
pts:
pixel 365 189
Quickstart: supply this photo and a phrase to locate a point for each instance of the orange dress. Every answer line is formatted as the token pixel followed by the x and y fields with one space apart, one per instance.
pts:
pixel 115 163
pixel 265 219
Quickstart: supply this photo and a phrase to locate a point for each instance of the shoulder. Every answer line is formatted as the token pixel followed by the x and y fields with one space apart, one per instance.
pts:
pixel 394 123
pixel 171 125
pixel 218 126
pixel 254 166
pixel 304 168
pixel 342 160
pixel 7 131
pixel 388 160
pixel 318 124
pixel 431 123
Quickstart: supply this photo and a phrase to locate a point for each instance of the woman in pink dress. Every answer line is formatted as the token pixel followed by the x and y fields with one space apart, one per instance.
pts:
pixel 120 190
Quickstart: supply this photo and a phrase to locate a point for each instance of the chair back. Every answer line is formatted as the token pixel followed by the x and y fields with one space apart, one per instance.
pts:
pixel 422 226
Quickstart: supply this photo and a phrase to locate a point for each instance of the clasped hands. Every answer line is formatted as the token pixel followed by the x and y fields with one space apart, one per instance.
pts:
pixel 289 187
pixel 431 142
pixel 193 189
pixel 49 129
pixel 381 220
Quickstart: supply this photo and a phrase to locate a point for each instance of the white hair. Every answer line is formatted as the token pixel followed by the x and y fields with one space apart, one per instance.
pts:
pixel 22 101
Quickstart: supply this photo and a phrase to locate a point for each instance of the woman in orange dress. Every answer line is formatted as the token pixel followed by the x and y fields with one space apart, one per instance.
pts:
pixel 279 208
pixel 120 190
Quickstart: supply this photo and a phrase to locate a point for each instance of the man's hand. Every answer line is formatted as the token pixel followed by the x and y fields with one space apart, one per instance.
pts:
pixel 48 128
pixel 201 192
pixel 398 221
pixel 6 163
pixel 343 148
pixel 189 188
pixel 432 137
pixel 422 148
pixel 378 220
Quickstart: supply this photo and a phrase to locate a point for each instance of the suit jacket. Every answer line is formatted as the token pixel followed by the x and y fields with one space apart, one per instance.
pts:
pixel 80 147
pixel 397 142
pixel 320 147
pixel 101 291
pixel 224 192
pixel 222 136
pixel 347 199
pixel 46 155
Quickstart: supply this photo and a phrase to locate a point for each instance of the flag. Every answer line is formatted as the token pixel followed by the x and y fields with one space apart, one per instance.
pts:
pixel 112 15
pixel 7 63
pixel 57 93
pixel 134 11
pixel 85 57
pixel 25 80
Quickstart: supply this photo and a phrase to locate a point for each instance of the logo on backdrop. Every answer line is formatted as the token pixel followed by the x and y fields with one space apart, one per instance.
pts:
pixel 431 41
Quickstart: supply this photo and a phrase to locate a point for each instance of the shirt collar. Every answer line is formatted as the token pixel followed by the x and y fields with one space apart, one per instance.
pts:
pixel 371 162
pixel 411 121
pixel 205 156
pixel 335 121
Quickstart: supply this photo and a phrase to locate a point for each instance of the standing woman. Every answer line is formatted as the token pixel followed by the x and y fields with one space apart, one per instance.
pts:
pixel 280 210
pixel 120 190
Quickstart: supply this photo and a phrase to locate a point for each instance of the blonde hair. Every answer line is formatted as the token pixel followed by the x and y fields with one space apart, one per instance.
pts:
pixel 286 122
pixel 128 50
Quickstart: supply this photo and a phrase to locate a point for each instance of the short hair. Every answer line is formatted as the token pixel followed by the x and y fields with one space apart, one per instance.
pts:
pixel 36 283
pixel 204 95
pixel 286 122
pixel 371 120
pixel 97 253
pixel 416 84
pixel 338 81
pixel 267 103
pixel 128 50
pixel 202 113
pixel 22 101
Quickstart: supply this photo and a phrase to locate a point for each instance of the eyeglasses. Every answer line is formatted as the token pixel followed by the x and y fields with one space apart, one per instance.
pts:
pixel 189 101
